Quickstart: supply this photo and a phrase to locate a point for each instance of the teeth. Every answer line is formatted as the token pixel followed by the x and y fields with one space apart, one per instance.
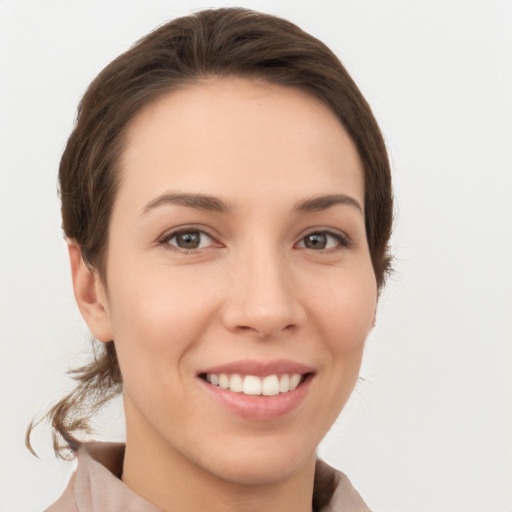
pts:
pixel 270 385
pixel 284 383
pixel 236 383
pixel 294 381
pixel 251 385
pixel 223 381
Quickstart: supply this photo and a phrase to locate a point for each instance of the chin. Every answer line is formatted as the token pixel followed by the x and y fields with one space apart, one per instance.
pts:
pixel 261 468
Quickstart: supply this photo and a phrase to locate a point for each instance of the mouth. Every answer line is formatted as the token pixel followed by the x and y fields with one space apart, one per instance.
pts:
pixel 269 385
pixel 259 390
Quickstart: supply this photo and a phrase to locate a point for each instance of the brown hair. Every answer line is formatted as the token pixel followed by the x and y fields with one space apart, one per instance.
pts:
pixel 218 42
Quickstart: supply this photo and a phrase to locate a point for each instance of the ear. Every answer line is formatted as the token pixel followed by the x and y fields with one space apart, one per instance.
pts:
pixel 374 319
pixel 90 295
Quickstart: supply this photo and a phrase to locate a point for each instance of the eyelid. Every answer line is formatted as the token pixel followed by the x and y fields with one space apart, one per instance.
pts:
pixel 344 240
pixel 170 234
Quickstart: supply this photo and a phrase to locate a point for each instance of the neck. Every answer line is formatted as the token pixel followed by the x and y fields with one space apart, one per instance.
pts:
pixel 164 477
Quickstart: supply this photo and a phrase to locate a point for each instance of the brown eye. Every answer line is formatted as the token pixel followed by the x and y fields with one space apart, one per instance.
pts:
pixel 322 240
pixel 189 240
pixel 315 241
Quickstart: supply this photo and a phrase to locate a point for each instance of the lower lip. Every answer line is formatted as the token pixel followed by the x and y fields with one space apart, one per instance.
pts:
pixel 260 407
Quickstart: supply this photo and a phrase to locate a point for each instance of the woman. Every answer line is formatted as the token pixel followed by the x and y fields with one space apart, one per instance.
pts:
pixel 227 203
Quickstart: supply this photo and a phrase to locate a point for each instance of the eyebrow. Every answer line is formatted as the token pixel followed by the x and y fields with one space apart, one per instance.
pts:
pixel 197 201
pixel 214 204
pixel 323 202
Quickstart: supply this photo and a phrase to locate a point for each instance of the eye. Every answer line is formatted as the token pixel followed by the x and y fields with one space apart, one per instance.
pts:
pixel 323 240
pixel 188 240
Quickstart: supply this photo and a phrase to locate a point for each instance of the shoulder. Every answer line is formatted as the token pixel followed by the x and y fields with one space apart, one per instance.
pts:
pixel 96 486
pixel 333 491
pixel 66 503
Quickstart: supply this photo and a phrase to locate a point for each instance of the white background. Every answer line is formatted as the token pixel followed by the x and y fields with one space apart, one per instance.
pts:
pixel 431 428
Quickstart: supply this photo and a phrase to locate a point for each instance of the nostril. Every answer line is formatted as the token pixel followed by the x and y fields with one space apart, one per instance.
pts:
pixel 251 315
pixel 264 332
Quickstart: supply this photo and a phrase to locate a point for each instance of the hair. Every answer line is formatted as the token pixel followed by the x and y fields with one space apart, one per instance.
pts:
pixel 211 43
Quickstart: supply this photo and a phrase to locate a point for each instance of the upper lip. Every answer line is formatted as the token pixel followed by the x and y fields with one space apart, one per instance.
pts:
pixel 260 368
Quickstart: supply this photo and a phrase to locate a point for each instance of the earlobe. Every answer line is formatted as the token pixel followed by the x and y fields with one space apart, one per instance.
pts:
pixel 90 295
pixel 374 320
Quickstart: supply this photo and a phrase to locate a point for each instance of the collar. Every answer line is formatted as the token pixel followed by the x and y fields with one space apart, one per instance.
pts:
pixel 96 486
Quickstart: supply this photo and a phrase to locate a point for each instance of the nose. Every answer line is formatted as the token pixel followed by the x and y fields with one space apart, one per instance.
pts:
pixel 264 297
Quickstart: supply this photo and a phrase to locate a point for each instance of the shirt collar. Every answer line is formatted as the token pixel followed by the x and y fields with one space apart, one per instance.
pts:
pixel 97 485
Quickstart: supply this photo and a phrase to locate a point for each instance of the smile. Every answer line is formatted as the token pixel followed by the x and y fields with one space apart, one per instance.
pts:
pixel 258 390
pixel 269 385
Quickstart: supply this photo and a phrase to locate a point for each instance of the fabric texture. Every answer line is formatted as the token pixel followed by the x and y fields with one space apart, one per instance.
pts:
pixel 96 487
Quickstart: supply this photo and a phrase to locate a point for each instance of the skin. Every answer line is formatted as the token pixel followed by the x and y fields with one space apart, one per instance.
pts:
pixel 252 290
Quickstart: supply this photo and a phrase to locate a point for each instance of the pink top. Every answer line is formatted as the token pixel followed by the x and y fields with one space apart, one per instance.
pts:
pixel 95 486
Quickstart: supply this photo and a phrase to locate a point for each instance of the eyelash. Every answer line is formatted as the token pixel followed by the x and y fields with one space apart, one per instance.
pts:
pixel 343 241
pixel 165 240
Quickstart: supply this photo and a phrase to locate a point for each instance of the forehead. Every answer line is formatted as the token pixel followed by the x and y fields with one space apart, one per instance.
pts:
pixel 238 137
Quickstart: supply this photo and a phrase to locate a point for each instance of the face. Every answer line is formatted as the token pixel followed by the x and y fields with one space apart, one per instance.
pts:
pixel 239 288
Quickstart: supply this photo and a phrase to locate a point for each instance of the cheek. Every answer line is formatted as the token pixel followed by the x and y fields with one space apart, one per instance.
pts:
pixel 345 311
pixel 343 316
pixel 157 319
